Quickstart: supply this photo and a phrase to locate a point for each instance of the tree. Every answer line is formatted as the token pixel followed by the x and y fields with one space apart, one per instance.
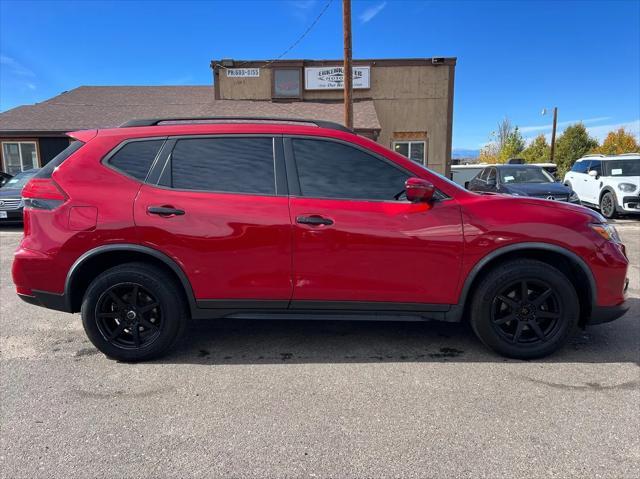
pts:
pixel 512 146
pixel 617 142
pixel 504 143
pixel 538 150
pixel 504 131
pixel 574 143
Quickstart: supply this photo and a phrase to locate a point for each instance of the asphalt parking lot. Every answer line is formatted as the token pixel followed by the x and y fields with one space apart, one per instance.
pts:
pixel 316 399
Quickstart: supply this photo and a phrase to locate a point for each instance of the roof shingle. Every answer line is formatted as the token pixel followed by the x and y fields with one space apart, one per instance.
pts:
pixel 90 107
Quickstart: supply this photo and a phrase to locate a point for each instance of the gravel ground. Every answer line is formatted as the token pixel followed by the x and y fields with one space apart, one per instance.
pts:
pixel 317 399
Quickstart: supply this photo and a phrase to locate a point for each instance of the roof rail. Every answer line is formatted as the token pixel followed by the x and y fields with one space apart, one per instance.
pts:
pixel 591 155
pixel 628 154
pixel 155 121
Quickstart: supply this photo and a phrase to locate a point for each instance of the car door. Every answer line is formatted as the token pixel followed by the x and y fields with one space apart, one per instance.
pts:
pixel 220 210
pixel 591 187
pixel 578 178
pixel 356 244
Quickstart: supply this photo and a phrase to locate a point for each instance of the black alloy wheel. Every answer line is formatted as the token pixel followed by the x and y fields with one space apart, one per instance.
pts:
pixel 524 309
pixel 128 316
pixel 134 312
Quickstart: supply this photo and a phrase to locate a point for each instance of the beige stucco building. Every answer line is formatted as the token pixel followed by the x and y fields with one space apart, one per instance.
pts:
pixel 412 99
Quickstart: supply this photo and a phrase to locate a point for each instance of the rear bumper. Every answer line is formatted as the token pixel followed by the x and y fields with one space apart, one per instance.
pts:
pixel 48 300
pixel 606 314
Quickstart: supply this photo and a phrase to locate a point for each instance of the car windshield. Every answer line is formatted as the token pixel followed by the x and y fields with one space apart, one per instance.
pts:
pixel 18 181
pixel 524 175
pixel 624 167
pixel 442 177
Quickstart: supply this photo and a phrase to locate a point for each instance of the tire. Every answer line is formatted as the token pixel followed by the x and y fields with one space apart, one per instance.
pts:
pixel 129 330
pixel 524 330
pixel 608 205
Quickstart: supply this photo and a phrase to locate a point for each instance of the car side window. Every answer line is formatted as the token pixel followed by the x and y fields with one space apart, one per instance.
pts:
pixel 596 165
pixel 581 166
pixel 492 174
pixel 230 165
pixel 482 175
pixel 327 169
pixel 135 158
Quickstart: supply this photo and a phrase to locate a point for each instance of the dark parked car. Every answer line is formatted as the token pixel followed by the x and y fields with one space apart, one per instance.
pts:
pixel 522 180
pixel 11 197
pixel 4 177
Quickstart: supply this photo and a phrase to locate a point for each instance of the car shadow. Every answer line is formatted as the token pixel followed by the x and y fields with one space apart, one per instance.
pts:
pixel 302 341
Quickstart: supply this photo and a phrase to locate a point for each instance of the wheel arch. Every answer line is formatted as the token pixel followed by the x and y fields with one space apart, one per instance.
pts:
pixel 568 262
pixel 93 262
pixel 607 189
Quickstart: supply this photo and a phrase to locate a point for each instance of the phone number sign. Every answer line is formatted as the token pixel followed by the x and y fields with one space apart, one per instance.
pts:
pixel 243 72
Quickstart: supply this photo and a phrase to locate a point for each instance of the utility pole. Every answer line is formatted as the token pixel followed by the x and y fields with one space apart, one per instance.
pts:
pixel 553 133
pixel 348 85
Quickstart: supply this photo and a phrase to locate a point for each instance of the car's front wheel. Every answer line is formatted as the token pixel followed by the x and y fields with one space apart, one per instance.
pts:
pixel 608 205
pixel 524 309
pixel 133 312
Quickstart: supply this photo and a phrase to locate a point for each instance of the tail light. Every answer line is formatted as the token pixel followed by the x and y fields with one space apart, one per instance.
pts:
pixel 43 194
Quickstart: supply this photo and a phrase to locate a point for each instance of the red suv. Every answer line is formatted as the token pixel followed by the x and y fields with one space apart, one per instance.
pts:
pixel 145 226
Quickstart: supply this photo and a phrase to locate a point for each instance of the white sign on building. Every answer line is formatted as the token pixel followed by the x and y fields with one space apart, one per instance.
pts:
pixel 243 72
pixel 332 78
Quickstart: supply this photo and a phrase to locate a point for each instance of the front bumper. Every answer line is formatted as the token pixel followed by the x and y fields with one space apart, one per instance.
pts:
pixel 606 314
pixel 13 216
pixel 630 204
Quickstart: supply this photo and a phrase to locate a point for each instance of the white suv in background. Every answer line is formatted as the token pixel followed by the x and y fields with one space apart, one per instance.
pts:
pixel 611 183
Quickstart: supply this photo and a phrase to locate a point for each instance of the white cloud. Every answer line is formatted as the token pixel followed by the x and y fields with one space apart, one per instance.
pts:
pixel 31 86
pixel 537 128
pixel 371 12
pixel 301 9
pixel 600 132
pixel 15 67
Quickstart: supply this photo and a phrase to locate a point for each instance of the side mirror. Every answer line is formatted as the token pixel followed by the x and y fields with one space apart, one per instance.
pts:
pixel 594 173
pixel 418 190
pixel 491 182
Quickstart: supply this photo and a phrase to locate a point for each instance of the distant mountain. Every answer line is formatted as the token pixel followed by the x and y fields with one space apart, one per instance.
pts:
pixel 464 153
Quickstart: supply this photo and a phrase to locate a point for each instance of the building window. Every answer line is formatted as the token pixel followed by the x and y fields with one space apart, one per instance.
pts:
pixel 19 156
pixel 287 83
pixel 414 150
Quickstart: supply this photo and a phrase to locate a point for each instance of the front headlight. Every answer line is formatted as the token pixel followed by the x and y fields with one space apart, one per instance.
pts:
pixel 627 187
pixel 607 231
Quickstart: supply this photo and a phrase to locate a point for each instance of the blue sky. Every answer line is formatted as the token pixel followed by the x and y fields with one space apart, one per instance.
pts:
pixel 514 57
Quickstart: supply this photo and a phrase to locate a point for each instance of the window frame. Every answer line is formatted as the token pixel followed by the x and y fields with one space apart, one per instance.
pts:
pixel 424 161
pixel 273 84
pixel 594 163
pixel 19 142
pixel 585 172
pixel 160 174
pixel 293 176
pixel 105 160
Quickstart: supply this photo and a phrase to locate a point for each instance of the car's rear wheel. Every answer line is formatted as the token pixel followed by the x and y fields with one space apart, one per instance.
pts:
pixel 133 312
pixel 524 309
pixel 608 205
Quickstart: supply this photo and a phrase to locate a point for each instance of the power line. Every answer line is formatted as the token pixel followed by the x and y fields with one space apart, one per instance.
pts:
pixel 294 44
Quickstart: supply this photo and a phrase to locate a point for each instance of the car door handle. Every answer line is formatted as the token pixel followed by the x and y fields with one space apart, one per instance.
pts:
pixel 165 211
pixel 314 220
